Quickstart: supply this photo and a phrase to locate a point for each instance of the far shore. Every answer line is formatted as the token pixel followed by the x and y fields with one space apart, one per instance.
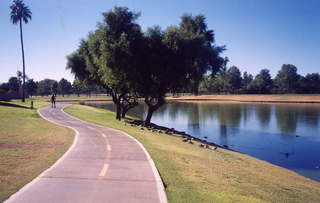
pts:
pixel 287 98
pixel 293 98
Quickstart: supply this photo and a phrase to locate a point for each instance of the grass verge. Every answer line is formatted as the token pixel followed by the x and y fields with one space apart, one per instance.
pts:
pixel 194 174
pixel 28 145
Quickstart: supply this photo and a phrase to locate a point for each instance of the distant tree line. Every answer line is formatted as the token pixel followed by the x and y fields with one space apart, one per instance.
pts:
pixel 49 86
pixel 287 81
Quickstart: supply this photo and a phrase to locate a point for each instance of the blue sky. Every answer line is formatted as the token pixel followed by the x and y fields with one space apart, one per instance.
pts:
pixel 258 33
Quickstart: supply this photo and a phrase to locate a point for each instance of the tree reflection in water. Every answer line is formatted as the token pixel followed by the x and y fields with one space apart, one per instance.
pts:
pixel 263 113
pixel 229 117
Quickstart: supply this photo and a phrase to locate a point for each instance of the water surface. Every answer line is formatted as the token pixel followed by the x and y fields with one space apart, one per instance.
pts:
pixel 287 135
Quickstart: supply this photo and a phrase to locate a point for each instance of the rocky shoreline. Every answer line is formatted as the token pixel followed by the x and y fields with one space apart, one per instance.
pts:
pixel 187 138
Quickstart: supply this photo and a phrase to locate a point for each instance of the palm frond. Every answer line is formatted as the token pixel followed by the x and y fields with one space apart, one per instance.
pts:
pixel 19 11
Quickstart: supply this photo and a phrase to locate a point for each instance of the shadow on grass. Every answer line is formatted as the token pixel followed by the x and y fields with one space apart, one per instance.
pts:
pixel 13 105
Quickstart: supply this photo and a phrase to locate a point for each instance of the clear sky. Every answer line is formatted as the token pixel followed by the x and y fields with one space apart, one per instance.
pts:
pixel 258 33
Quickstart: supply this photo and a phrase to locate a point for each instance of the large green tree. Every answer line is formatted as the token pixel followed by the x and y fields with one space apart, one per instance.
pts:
pixel 175 58
pixel 77 87
pixel 20 12
pixel 160 71
pixel 31 87
pixel 131 64
pixel 309 84
pixel 219 83
pixel 246 80
pixel 13 84
pixel 47 87
pixel 119 57
pixel 64 87
pixel 262 83
pixel 313 83
pixel 287 79
pixel 4 87
pixel 234 79
pixel 54 87
pixel 199 48
pixel 109 56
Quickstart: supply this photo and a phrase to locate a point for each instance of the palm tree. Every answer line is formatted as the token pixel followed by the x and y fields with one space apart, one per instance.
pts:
pixel 20 12
pixel 19 77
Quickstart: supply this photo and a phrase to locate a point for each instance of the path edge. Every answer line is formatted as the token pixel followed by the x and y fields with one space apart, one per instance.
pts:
pixel 15 195
pixel 160 187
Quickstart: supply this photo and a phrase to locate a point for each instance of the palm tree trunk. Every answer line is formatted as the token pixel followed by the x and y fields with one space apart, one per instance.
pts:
pixel 23 63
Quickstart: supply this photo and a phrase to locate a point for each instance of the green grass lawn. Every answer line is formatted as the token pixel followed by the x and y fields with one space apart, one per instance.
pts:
pixel 28 145
pixel 194 174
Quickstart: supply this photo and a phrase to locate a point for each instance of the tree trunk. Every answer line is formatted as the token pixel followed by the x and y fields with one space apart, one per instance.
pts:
pixel 126 105
pixel 195 88
pixel 118 112
pixel 23 63
pixel 151 109
pixel 124 112
pixel 196 92
pixel 117 99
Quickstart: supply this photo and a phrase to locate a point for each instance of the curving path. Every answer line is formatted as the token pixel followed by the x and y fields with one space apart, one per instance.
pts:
pixel 102 165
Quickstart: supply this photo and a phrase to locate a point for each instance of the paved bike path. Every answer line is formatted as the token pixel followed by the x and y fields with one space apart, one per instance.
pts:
pixel 102 165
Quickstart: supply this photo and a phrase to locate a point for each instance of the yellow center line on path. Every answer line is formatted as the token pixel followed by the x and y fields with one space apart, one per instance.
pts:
pixel 91 128
pixel 108 147
pixel 105 166
pixel 71 121
pixel 104 170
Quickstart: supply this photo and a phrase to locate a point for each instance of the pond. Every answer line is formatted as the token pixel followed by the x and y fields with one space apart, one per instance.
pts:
pixel 287 135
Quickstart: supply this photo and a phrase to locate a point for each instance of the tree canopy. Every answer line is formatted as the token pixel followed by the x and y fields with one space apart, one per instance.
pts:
pixel 287 79
pixel 64 86
pixel 31 86
pixel 46 87
pixel 131 63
